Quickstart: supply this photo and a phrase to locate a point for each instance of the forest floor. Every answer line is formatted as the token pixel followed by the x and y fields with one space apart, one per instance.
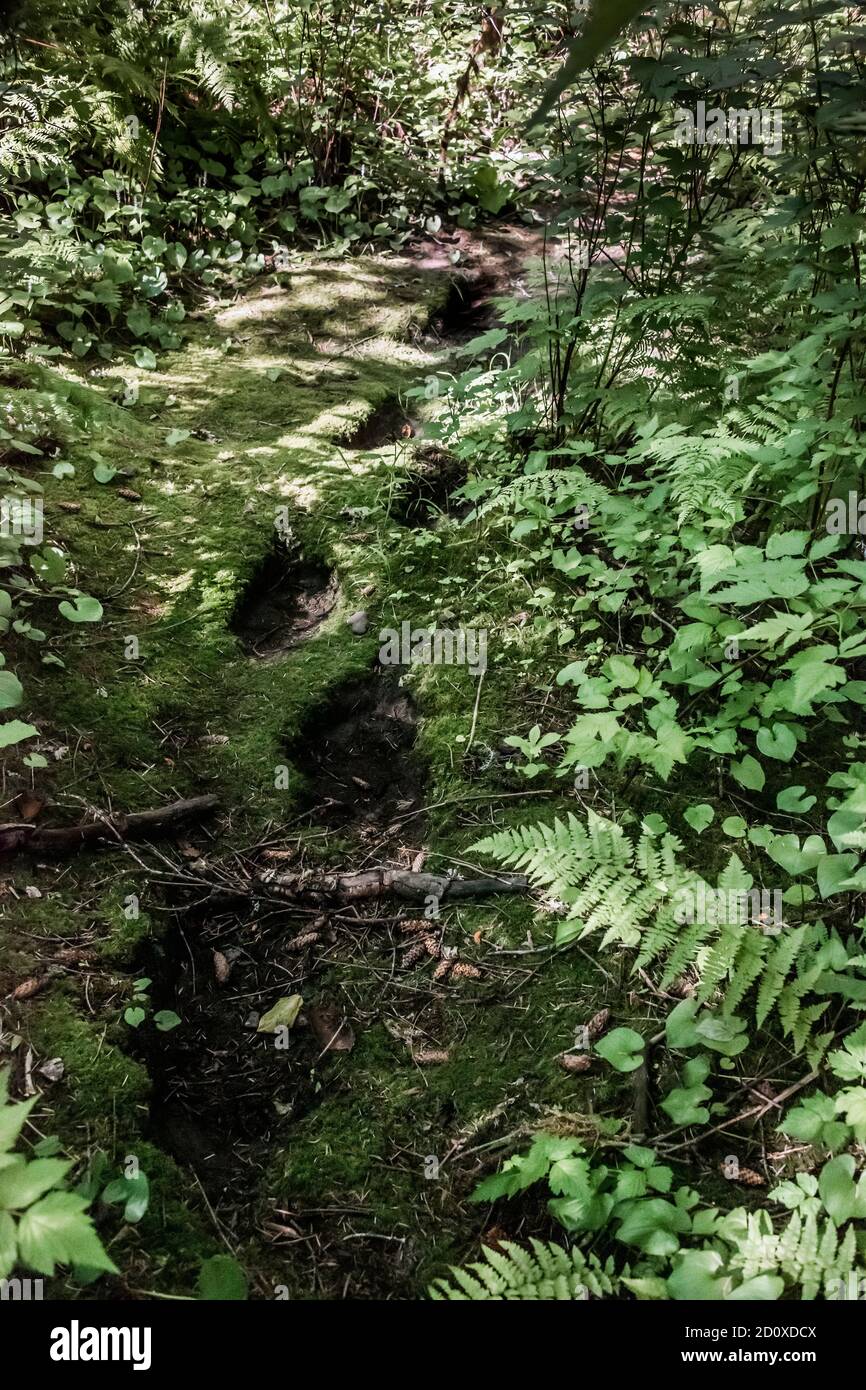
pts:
pixel 341 1165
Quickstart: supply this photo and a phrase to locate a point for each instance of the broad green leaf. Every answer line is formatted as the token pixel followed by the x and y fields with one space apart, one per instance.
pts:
pixel 699 817
pixel 15 731
pixel 623 1048
pixel 749 773
pixel 24 1184
pixel 284 1014
pixel 11 690
pixel 778 742
pixel 84 610
pixel 12 1119
pixel 222 1279
pixel 57 1231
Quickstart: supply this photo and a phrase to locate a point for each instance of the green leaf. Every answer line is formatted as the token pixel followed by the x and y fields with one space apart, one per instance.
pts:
pixel 780 743
pixel 793 800
pixel 680 1030
pixel 133 1192
pixel 145 359
pixel 605 22
pixel 749 773
pixel 85 609
pixel 11 690
pixel 134 1017
pixel 807 683
pixel 49 564
pixel 652 1224
pixel 103 473
pixel 23 1184
pixel 684 1105
pixel 284 1014
pixel 833 870
pixel 697 1275
pixel 699 817
pixel 623 1048
pixel 837 1188
pixel 222 1279
pixel 165 1020
pixel 8 1245
pixel 56 1230
pixel 764 1288
pixel 734 826
pixel 12 1119
pixel 176 437
pixel 15 731
pixel 849 1061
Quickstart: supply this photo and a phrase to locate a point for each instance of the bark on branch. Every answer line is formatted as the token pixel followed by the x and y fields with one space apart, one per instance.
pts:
pixel 377 883
pixel 138 825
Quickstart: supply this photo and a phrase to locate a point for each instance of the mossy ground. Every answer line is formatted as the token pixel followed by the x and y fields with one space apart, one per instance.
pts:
pixel 269 388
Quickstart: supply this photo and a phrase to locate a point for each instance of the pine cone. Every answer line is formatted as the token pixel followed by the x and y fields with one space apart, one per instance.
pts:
pixel 575 1061
pixel 432 947
pixel 415 924
pixel 464 971
pixel 429 1057
pixel 305 938
pixel 747 1176
pixel 414 954
pixel 443 970
pixel 597 1024
pixel 221 968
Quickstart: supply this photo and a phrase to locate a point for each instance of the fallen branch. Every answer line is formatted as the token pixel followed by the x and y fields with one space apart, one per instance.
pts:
pixel 377 883
pixel 138 825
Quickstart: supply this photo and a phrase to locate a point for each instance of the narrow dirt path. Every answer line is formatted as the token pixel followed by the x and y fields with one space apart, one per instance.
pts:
pixel 289 504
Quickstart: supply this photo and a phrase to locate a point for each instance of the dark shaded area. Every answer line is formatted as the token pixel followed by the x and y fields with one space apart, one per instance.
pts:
pixel 387 424
pixel 426 493
pixel 467 310
pixel 223 1093
pixel 357 756
pixel 286 601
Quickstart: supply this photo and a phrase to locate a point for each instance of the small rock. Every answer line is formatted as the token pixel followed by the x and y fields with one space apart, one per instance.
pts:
pixel 358 623
pixel 52 1070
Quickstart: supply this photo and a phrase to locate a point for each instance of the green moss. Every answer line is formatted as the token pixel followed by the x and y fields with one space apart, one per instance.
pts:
pixel 104 1092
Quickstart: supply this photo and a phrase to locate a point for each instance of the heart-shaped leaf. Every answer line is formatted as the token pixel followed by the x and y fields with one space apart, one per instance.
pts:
pixel 84 610
pixel 623 1048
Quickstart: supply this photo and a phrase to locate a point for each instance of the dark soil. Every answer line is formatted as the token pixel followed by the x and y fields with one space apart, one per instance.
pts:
pixel 285 602
pixel 221 1091
pixel 357 756
pixel 426 494
pixel 387 424
pixel 468 310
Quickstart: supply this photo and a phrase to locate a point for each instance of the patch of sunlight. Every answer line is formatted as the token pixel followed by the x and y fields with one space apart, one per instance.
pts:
pixel 304 495
pixel 179 583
